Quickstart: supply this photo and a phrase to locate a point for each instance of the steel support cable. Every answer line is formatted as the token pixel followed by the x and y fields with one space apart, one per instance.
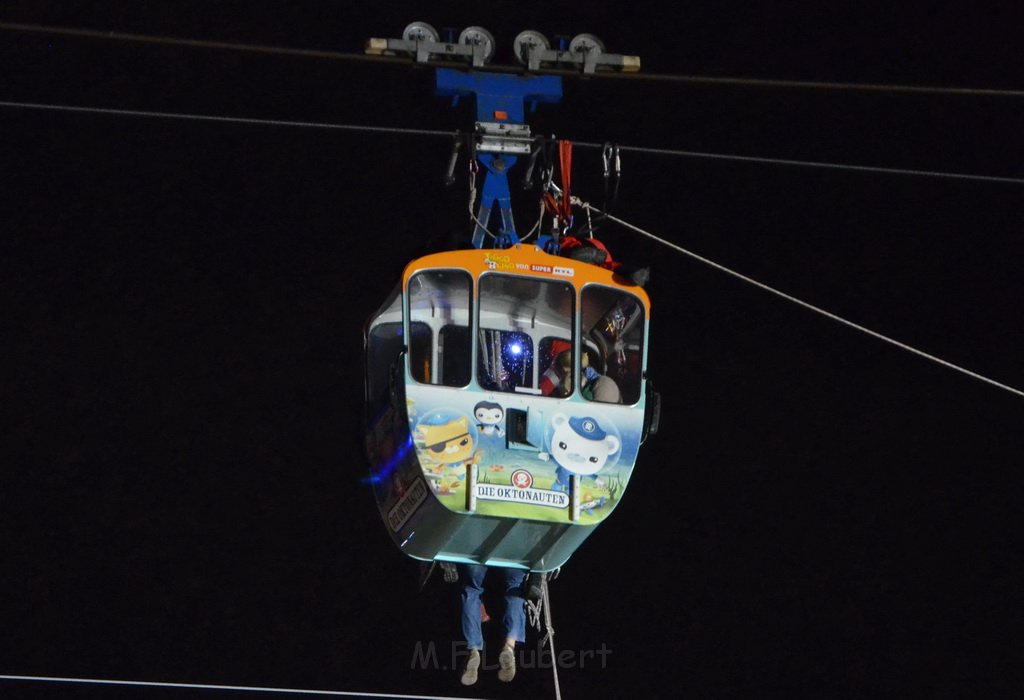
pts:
pixel 227 120
pixel 449 135
pixel 192 43
pixel 809 164
pixel 232 688
pixel 764 83
pixel 446 134
pixel 825 85
pixel 804 304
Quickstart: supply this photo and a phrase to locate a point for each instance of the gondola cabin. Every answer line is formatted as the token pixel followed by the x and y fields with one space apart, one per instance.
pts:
pixel 507 402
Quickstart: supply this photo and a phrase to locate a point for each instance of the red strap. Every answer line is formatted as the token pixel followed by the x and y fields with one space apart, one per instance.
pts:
pixel 565 156
pixel 551 205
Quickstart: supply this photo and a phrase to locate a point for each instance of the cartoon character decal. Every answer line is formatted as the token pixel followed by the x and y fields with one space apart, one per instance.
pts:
pixel 527 477
pixel 445 441
pixel 488 416
pixel 579 446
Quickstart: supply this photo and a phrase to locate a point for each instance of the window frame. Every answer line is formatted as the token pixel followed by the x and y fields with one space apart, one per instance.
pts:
pixel 435 327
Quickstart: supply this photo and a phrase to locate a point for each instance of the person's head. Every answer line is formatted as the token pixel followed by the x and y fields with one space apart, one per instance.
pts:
pixel 564 360
pixel 561 354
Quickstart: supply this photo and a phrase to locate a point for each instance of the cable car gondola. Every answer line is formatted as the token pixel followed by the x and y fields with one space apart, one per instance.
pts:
pixel 506 388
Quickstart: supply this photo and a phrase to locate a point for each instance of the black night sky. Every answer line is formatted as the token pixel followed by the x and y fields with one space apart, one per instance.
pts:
pixel 822 515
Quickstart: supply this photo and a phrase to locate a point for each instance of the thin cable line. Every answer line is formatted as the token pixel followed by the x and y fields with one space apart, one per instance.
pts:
pixel 763 83
pixel 449 134
pixel 804 304
pixel 243 688
pixel 229 120
pixel 193 43
pixel 810 164
pixel 827 85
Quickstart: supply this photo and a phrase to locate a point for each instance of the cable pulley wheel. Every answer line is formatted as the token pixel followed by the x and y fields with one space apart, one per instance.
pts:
pixel 420 31
pixel 478 36
pixel 586 44
pixel 527 40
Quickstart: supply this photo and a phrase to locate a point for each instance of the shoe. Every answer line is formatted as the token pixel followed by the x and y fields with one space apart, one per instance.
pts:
pixel 449 572
pixel 469 673
pixel 535 590
pixel 506 664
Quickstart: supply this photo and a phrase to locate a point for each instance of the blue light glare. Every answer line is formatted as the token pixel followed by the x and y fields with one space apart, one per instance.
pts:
pixel 380 472
pixel 515 348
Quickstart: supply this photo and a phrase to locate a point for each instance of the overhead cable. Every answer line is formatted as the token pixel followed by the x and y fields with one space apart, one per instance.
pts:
pixel 232 688
pixel 827 85
pixel 449 134
pixel 227 120
pixel 422 132
pixel 804 304
pixel 809 164
pixel 192 43
pixel 762 83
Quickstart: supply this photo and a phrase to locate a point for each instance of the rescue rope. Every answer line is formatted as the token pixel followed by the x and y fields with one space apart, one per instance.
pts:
pixel 557 199
pixel 800 302
pixel 542 609
pixel 550 636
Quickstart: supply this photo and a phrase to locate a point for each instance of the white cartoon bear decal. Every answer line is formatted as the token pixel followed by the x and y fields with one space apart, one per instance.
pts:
pixel 579 446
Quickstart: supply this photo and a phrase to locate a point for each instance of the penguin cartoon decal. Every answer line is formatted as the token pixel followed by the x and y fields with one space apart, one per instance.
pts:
pixel 488 418
pixel 578 446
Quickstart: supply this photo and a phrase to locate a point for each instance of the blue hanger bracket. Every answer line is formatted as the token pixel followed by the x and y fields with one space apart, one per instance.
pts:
pixel 501 134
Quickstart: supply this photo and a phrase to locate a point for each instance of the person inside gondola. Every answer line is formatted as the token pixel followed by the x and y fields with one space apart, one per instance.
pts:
pixel 557 378
pixel 472 577
pixel 594 385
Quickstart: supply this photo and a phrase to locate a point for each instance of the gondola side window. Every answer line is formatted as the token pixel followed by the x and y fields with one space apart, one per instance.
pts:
pixel 384 346
pixel 516 312
pixel 384 342
pixel 613 337
pixel 439 300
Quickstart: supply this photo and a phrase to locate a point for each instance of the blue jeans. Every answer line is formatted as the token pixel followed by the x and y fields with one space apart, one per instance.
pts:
pixel 472 577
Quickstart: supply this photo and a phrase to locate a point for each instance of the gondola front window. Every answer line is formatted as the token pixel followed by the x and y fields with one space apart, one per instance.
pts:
pixel 439 301
pixel 516 315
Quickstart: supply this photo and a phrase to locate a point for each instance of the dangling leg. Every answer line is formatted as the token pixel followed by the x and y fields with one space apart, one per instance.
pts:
pixel 472 577
pixel 515 623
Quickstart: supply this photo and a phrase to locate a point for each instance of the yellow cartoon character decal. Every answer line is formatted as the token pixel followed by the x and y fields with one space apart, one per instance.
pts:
pixel 446 441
